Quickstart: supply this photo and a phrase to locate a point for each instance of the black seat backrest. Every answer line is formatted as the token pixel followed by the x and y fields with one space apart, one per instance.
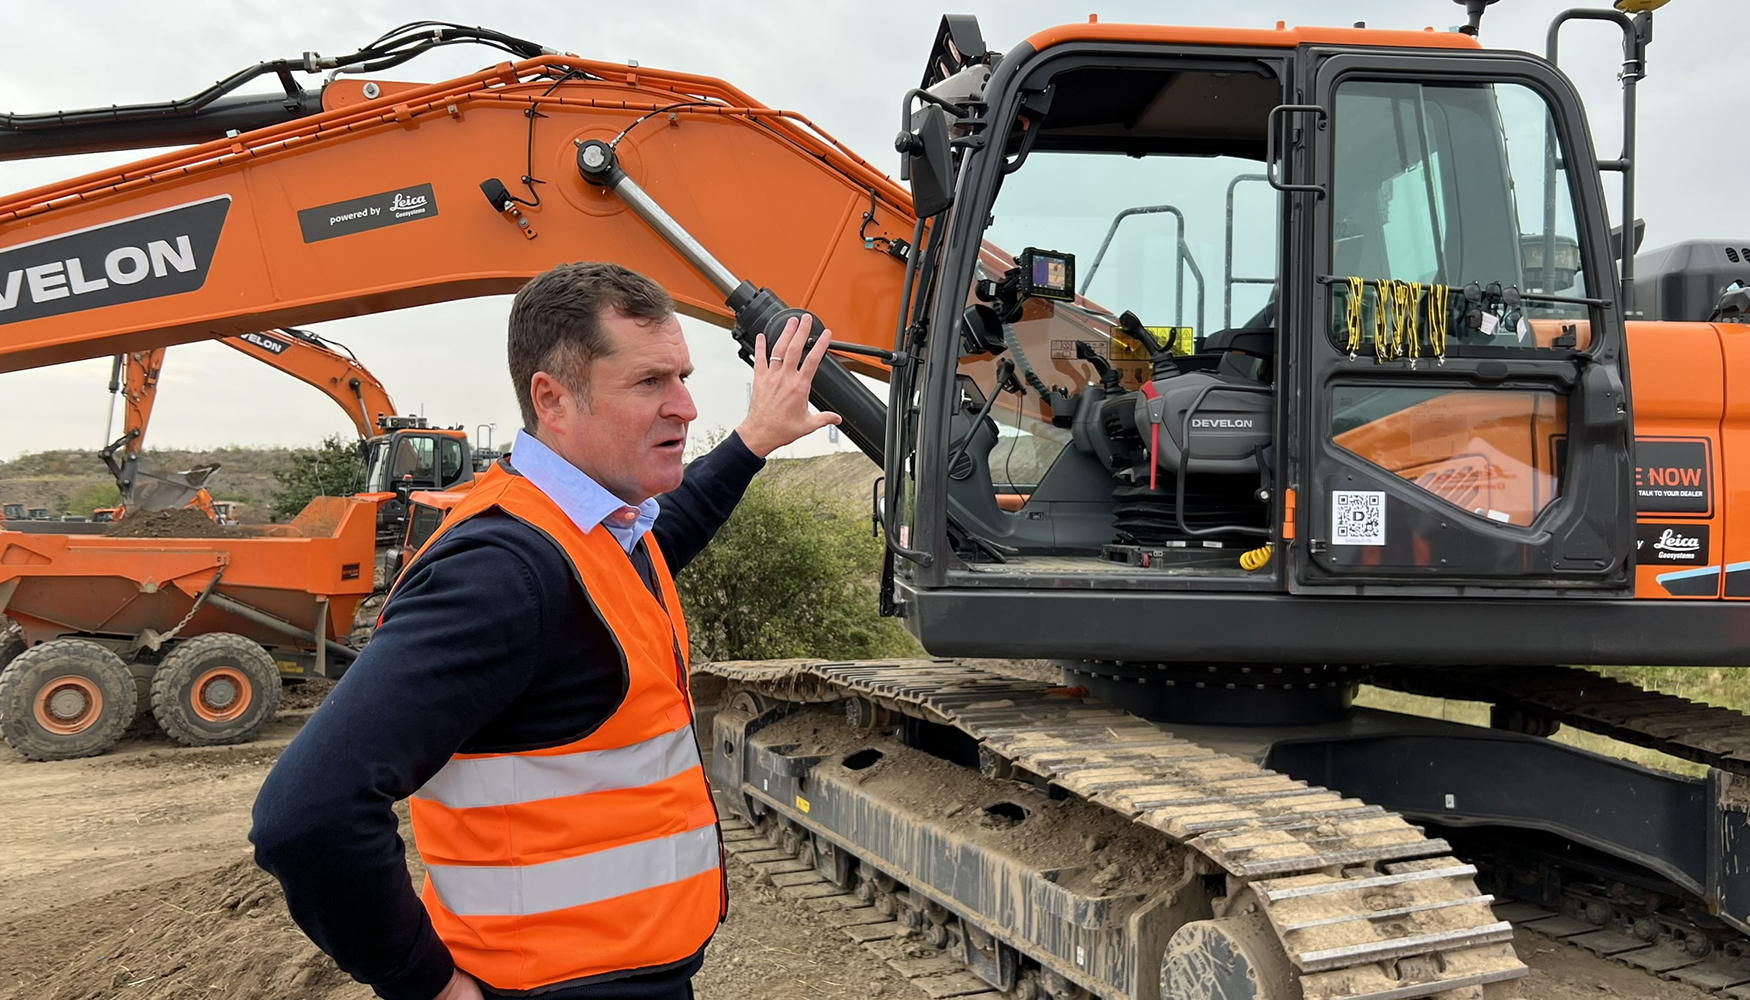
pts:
pixel 1252 340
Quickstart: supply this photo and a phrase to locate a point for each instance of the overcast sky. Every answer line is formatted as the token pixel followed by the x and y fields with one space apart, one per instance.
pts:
pixel 843 64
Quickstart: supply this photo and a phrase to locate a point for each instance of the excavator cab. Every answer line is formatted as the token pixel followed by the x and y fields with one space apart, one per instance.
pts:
pixel 410 456
pixel 12 512
pixel 1291 298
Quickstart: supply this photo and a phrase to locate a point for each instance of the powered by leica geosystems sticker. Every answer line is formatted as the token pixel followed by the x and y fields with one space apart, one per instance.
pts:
pixel 1671 544
pixel 373 211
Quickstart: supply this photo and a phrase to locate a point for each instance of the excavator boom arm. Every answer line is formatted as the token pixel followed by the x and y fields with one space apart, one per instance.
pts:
pixel 380 205
pixel 312 362
pixel 299 354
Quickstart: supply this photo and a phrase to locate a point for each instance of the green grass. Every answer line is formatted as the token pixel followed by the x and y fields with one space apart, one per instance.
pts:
pixel 1727 687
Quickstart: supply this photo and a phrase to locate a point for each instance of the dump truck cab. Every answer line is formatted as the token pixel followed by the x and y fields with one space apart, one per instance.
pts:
pixel 12 512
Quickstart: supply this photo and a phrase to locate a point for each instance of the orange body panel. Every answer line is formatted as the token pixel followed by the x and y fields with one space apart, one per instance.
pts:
pixel 339 94
pixel 1682 374
pixel 55 585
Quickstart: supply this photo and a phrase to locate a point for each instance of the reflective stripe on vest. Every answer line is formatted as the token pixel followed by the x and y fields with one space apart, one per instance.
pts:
pixel 472 782
pixel 590 878
pixel 579 862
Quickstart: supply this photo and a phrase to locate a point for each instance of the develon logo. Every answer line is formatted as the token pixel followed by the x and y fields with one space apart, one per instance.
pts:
pixel 130 260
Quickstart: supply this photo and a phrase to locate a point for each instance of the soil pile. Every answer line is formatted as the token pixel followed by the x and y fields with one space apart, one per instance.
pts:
pixel 305 695
pixel 225 933
pixel 185 522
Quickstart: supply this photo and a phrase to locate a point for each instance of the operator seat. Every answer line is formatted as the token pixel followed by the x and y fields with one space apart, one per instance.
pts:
pixel 408 463
pixel 1247 352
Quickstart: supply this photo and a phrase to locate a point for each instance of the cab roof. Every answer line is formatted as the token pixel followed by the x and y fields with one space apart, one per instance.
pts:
pixel 1281 37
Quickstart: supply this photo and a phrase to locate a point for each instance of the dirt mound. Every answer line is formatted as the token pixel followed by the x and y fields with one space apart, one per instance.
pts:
pixel 305 695
pixel 185 522
pixel 225 932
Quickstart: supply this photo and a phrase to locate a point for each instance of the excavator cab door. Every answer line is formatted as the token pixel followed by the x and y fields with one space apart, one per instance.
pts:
pixel 1462 407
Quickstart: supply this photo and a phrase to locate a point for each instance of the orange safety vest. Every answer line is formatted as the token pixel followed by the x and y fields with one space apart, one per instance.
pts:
pixel 599 857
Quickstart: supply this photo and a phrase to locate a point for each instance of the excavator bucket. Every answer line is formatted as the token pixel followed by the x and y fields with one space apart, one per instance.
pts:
pixel 168 490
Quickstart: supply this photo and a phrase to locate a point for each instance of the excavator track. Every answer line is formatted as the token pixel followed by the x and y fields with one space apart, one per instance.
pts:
pixel 1668 934
pixel 1359 903
pixel 1540 697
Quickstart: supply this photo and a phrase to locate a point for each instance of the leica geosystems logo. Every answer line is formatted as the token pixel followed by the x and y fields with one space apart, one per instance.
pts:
pixel 1684 544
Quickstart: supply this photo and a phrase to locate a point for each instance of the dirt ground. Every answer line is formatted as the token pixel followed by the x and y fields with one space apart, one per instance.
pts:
pixel 129 876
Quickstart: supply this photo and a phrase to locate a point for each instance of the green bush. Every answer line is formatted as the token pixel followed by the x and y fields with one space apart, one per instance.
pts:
pixel 86 500
pixel 792 574
pixel 333 470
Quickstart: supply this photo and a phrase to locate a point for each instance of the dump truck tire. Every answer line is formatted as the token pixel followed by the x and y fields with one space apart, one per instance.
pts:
pixel 11 642
pixel 214 689
pixel 65 698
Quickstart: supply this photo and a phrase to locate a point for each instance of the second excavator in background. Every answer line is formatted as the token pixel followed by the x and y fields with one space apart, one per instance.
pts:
pixel 402 453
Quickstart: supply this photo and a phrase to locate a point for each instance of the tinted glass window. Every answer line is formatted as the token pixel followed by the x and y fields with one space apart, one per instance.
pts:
pixel 1444 189
pixel 449 459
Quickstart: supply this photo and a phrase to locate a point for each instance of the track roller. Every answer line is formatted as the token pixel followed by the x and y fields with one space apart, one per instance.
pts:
pixel 1228 958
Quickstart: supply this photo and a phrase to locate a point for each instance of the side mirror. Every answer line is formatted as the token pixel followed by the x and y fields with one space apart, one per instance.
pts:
pixel 1616 239
pixel 929 162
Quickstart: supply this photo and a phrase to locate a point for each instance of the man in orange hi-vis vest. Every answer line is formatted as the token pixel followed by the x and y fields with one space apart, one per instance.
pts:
pixel 526 688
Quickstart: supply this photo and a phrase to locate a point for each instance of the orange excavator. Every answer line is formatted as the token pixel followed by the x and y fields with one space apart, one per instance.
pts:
pixel 402 453
pixel 1316 345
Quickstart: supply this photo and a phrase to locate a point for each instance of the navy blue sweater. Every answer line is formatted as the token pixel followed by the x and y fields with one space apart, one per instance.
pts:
pixel 478 652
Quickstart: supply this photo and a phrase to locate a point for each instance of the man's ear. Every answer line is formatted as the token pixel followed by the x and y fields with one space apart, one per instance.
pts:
pixel 552 400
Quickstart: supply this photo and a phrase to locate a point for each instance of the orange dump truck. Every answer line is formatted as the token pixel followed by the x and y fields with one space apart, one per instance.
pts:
pixel 198 630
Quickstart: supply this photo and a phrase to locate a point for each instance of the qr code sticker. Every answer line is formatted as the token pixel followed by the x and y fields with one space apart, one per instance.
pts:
pixel 1357 517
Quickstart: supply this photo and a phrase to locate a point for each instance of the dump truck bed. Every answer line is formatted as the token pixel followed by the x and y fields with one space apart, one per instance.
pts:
pixel 290 587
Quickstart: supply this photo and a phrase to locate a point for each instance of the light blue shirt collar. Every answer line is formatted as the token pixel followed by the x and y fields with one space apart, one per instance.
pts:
pixel 584 500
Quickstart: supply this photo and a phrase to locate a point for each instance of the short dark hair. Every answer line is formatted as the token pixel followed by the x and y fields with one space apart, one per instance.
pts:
pixel 556 323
